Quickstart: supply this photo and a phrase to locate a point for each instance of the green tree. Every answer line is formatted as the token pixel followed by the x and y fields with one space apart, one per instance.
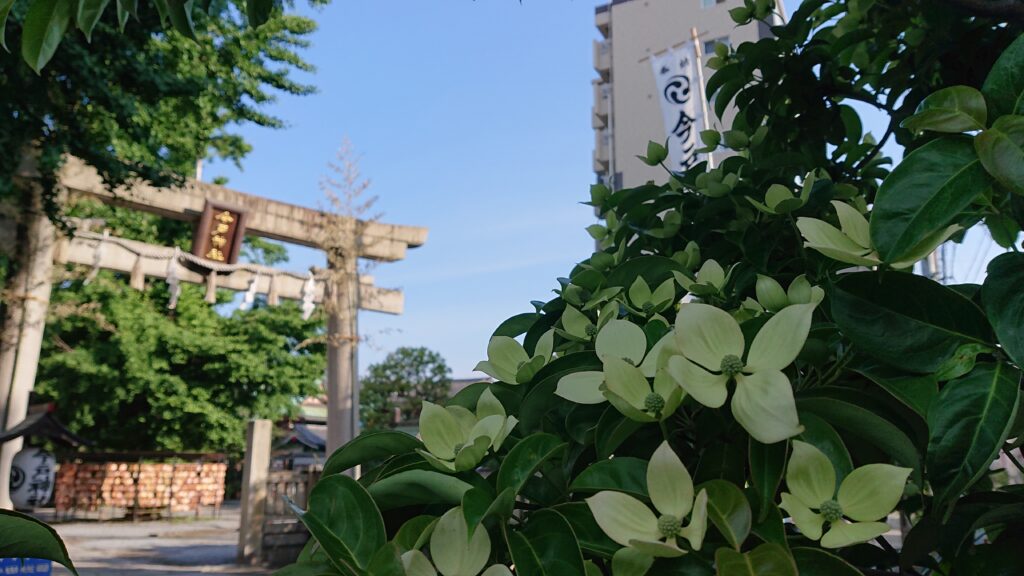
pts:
pixel 183 380
pixel 402 381
pixel 147 103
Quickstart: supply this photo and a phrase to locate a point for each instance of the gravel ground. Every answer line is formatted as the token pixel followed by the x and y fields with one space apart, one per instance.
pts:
pixel 155 548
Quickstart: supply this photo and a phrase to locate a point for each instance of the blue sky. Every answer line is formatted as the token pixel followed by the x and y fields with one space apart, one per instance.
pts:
pixel 473 119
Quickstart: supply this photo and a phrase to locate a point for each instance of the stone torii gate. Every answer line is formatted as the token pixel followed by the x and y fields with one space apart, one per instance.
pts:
pixel 30 238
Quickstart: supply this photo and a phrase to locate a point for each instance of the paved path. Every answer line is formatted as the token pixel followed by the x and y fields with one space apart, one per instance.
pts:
pixel 158 548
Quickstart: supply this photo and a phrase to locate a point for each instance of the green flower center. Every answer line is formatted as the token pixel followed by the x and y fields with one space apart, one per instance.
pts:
pixel 731 365
pixel 831 510
pixel 591 330
pixel 669 525
pixel 654 403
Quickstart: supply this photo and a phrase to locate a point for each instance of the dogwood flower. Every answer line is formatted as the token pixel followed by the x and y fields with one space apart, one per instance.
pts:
pixel 712 349
pixel 630 522
pixel 454 551
pixel 710 279
pixel 866 496
pixel 771 295
pixel 621 345
pixel 457 439
pixel 644 302
pixel 852 244
pixel 508 361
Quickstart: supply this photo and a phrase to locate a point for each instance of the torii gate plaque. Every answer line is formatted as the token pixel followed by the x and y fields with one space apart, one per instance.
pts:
pixel 31 238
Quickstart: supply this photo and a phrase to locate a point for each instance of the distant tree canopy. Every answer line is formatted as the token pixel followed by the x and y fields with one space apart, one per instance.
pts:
pixel 403 380
pixel 131 375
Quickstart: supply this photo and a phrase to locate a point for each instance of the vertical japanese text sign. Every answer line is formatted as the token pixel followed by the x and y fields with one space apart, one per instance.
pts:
pixel 675 74
pixel 219 234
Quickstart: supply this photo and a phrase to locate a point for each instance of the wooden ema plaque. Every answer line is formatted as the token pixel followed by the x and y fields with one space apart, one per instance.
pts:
pixel 219 234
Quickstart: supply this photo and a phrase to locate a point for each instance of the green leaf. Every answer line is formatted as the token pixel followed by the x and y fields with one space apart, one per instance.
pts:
pixel 414 533
pixel 728 510
pixel 386 562
pixel 765 560
pixel 524 459
pixel 1003 299
pixel 915 391
pixel 968 425
pixel 623 474
pixel 817 562
pixel 516 325
pixel 767 465
pixel 612 430
pixel 1001 151
pixel 89 13
pixel 591 538
pixel 122 13
pixel 180 13
pixel 344 520
pixel 5 10
pixel 954 109
pixel 370 446
pixel 44 27
pixel 924 193
pixel 908 321
pixel 258 11
pixel 417 487
pixel 820 434
pixel 1004 85
pixel 22 536
pixel 546 546
pixel 864 423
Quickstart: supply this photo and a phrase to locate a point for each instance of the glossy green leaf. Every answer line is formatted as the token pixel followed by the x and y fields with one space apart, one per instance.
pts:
pixel 767 466
pixel 623 474
pixel 45 24
pixel 415 532
pixel 765 560
pixel 817 562
pixel 22 536
pixel 344 520
pixel 908 321
pixel 516 325
pixel 417 487
pixel 867 425
pixel 5 10
pixel 370 446
pixel 968 425
pixel 180 14
pixel 1004 85
pixel 386 562
pixel 820 434
pixel 546 546
pixel 525 457
pixel 591 538
pixel 1003 298
pixel 954 109
pixel 612 430
pixel 1001 151
pixel 728 510
pixel 915 391
pixel 89 13
pixel 924 193
pixel 258 11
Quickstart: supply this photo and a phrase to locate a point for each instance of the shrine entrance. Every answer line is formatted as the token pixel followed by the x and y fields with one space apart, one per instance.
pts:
pixel 222 218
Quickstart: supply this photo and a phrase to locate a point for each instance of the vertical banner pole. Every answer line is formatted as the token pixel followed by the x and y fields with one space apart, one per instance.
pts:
pixel 699 50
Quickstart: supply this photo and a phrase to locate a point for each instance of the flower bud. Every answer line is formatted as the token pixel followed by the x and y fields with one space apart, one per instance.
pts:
pixel 770 293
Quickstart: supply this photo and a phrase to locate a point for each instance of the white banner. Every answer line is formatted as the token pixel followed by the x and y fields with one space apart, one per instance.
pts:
pixel 675 74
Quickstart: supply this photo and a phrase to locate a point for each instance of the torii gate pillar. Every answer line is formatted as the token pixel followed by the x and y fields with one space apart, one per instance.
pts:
pixel 22 335
pixel 342 305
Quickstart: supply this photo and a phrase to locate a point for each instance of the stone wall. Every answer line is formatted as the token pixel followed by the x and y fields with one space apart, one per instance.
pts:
pixel 139 486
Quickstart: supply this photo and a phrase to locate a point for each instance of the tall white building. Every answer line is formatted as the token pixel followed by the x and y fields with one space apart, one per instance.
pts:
pixel 627 111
